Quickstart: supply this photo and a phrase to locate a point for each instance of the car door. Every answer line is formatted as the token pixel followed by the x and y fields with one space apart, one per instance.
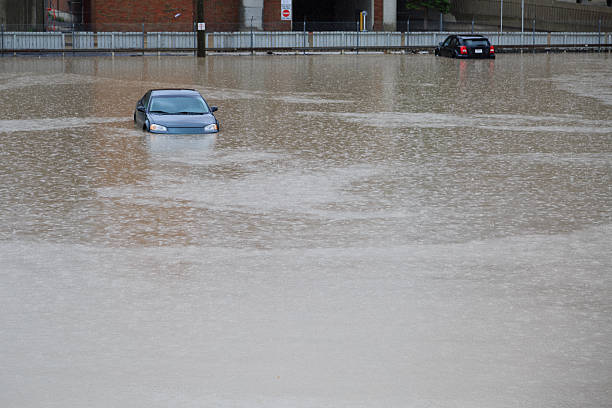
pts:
pixel 444 50
pixel 141 108
pixel 451 47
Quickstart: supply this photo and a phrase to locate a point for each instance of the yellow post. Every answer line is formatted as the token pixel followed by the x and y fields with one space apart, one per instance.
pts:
pixel 362 20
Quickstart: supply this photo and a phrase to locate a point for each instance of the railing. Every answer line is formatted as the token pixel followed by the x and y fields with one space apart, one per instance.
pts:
pixel 166 40
pixel 32 41
pixel 12 42
pixel 120 41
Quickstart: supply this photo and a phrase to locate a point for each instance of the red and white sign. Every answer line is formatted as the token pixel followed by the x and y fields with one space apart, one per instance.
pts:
pixel 286 12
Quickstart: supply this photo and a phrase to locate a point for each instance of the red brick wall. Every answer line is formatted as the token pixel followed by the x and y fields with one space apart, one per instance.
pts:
pixel 272 17
pixel 158 15
pixel 222 15
pixel 378 15
pixel 129 15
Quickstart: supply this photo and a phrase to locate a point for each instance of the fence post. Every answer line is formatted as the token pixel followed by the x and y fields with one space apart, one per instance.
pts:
pixel 472 24
pixel 358 38
pixel 304 35
pixel 408 32
pixel 251 35
pixel 441 22
pixel 501 17
pixel 2 40
pixel 143 39
pixel 533 35
pixel 599 35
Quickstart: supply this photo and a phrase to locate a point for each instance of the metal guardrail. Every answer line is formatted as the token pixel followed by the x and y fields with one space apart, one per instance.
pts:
pixel 171 40
pixel 120 40
pixel 32 41
pixel 231 41
pixel 83 40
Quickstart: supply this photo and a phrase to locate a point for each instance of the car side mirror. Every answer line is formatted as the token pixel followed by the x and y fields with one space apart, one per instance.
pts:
pixel 214 109
pixel 140 108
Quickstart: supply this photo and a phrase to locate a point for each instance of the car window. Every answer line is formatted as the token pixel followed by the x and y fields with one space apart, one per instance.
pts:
pixel 478 42
pixel 145 99
pixel 453 43
pixel 447 41
pixel 178 104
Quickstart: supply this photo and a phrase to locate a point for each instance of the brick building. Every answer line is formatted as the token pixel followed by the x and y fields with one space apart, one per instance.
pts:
pixel 130 15
pixel 235 15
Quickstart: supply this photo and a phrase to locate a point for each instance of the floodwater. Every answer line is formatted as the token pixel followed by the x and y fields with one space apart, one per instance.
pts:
pixel 365 231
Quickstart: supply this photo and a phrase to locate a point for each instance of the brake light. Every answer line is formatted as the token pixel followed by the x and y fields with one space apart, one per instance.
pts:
pixel 462 50
pixel 492 50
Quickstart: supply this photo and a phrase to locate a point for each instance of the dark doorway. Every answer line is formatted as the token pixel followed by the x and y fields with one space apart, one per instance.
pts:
pixel 326 15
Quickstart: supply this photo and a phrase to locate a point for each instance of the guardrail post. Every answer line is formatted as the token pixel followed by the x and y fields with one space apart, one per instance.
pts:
pixel 252 35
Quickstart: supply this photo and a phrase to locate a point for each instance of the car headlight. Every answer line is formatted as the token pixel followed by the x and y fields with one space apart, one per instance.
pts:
pixel 211 128
pixel 158 128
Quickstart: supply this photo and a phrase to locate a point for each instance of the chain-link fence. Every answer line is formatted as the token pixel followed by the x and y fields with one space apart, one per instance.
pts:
pixel 517 15
pixel 266 41
pixel 515 24
pixel 464 16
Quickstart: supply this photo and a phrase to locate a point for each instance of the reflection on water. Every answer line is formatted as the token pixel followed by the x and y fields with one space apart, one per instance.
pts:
pixel 185 144
pixel 365 230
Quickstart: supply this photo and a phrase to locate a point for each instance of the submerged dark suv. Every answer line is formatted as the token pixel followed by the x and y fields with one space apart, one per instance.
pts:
pixel 466 46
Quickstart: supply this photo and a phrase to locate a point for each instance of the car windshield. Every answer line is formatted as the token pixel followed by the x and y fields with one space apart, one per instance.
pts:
pixel 479 42
pixel 177 104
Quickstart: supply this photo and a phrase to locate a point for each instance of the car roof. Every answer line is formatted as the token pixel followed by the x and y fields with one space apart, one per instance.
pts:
pixel 174 92
pixel 471 36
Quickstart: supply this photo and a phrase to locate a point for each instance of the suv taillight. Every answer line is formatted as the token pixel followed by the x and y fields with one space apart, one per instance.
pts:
pixel 492 50
pixel 463 50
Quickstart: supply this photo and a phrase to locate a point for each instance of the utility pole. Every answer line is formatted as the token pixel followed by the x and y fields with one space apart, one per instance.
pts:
pixel 201 33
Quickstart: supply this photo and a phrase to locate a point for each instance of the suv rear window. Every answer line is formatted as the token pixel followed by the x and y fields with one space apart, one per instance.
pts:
pixel 479 42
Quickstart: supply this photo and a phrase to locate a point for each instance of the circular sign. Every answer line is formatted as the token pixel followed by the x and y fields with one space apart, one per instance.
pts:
pixel 286 13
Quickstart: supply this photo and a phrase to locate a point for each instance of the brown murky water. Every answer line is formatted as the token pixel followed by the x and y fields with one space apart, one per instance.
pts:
pixel 372 230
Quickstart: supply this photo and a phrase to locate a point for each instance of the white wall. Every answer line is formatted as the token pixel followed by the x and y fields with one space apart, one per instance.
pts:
pixel 389 15
pixel 252 11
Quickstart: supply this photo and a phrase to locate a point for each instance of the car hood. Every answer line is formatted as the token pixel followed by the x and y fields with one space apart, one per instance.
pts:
pixel 182 121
